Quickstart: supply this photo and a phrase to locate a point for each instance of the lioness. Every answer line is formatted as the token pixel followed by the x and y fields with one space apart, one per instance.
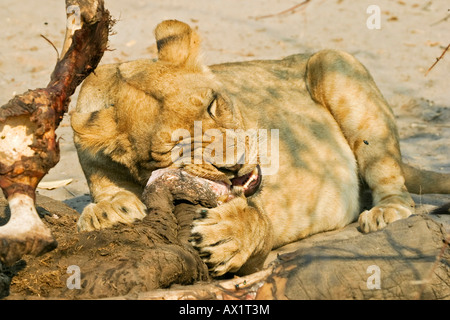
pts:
pixel 335 130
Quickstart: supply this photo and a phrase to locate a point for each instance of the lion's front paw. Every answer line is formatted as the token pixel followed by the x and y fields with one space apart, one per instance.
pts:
pixel 227 236
pixel 378 217
pixel 124 207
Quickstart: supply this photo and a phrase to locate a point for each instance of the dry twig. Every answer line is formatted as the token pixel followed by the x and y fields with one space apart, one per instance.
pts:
pixel 438 59
pixel 290 10
pixel 441 20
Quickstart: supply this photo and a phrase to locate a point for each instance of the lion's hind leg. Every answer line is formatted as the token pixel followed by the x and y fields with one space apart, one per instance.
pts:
pixel 343 85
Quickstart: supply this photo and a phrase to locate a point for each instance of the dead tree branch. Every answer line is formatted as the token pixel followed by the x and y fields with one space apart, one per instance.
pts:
pixel 28 143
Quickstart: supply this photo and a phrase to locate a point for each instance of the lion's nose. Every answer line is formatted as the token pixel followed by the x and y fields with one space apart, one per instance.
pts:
pixel 235 168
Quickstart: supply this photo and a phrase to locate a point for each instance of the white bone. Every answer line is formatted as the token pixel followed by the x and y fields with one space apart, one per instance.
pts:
pixel 24 233
pixel 16 136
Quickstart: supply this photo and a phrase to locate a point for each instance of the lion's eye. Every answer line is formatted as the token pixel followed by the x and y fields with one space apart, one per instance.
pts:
pixel 212 108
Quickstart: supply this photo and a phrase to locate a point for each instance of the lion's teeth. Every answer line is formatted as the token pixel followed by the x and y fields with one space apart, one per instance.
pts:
pixel 252 178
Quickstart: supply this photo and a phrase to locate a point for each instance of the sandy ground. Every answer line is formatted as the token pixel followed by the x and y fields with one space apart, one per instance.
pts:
pixel 411 35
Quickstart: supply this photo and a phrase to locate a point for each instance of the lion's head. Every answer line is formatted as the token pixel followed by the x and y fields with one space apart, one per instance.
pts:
pixel 198 127
pixel 170 112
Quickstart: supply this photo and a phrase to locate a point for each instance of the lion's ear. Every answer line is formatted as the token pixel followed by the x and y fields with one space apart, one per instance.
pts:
pixel 177 43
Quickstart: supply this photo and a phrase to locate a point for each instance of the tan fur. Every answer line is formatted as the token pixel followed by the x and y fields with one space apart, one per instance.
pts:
pixel 335 129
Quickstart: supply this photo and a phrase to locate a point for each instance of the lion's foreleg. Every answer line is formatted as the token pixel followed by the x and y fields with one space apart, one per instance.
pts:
pixel 116 196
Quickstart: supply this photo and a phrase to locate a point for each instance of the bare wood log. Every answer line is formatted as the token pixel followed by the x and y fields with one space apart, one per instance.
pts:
pixel 411 256
pixel 28 143
pixel 150 254
pixel 407 260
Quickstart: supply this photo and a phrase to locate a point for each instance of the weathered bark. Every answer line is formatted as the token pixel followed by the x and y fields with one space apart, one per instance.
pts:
pixel 150 254
pixel 131 262
pixel 410 259
pixel 28 143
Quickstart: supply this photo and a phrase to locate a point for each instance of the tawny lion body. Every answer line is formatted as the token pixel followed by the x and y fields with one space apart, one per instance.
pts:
pixel 335 130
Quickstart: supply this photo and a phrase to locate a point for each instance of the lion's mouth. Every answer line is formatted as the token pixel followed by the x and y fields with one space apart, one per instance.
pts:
pixel 249 182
